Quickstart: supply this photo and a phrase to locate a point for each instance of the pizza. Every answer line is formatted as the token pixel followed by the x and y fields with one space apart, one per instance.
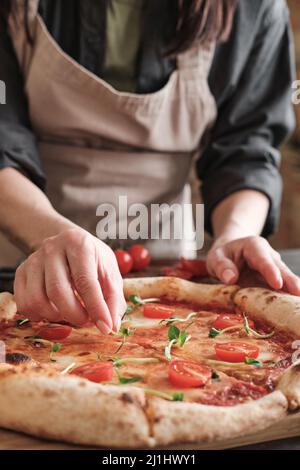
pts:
pixel 191 363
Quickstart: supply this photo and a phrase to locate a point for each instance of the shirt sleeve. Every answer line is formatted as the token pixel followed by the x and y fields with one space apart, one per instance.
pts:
pixel 18 147
pixel 255 114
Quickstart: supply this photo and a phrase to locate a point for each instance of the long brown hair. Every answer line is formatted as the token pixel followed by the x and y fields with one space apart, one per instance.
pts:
pixel 195 20
pixel 203 21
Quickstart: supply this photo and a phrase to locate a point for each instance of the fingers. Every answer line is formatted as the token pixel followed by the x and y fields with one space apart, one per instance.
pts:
pixel 82 261
pixel 290 280
pixel 222 267
pixel 112 286
pixel 60 292
pixel 30 292
pixel 20 294
pixel 260 256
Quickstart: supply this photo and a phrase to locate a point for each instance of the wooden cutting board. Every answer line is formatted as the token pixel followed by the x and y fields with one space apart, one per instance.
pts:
pixel 288 427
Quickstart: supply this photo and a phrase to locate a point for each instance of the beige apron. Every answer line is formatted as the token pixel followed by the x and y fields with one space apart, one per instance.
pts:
pixel 97 144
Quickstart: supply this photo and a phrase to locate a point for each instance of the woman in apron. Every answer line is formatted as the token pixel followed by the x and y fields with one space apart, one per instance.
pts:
pixel 117 98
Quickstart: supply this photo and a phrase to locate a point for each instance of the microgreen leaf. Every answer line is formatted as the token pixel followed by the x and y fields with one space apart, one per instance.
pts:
pixel 178 396
pixel 125 331
pixel 129 380
pixel 253 362
pixel 137 300
pixel 55 347
pixel 250 330
pixel 173 332
pixel 182 338
pixel 213 333
pixel 171 320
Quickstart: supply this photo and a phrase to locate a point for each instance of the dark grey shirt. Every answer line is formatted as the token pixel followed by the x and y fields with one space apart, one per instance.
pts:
pixel 250 79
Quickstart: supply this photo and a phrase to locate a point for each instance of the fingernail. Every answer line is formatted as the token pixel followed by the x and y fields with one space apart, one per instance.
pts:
pixel 103 327
pixel 228 276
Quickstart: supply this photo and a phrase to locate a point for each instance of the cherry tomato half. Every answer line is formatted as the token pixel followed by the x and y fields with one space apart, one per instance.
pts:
pixel 228 320
pixel 154 310
pixel 95 371
pixel 188 374
pixel 54 332
pixel 141 257
pixel 125 261
pixel 196 266
pixel 235 351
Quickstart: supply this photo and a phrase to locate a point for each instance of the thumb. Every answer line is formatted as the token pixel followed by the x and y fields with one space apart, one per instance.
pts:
pixel 223 267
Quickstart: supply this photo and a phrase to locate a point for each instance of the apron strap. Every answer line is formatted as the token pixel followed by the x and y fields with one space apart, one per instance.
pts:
pixel 198 56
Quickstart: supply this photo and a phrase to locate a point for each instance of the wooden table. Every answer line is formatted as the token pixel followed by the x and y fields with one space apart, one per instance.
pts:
pixel 281 436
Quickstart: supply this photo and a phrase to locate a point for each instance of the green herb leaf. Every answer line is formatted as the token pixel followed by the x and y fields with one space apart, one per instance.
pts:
pixel 173 332
pixel 178 396
pixel 129 380
pixel 135 299
pixel 182 338
pixel 253 362
pixel 125 331
pixel 213 333
pixel 22 321
pixel 55 347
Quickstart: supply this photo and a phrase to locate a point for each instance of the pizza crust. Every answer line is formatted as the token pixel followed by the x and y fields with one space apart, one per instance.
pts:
pixel 38 401
pixel 70 409
pixel 174 422
pixel 8 307
pixel 279 309
pixel 179 290
pixel 66 408
pixel 289 384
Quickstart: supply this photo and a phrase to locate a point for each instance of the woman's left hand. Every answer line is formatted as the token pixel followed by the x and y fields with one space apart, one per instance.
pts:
pixel 226 258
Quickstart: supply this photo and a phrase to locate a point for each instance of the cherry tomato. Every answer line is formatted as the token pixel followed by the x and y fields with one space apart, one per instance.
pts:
pixel 155 310
pixel 95 371
pixel 125 261
pixel 54 332
pixel 228 320
pixel 196 266
pixel 141 257
pixel 188 374
pixel 235 351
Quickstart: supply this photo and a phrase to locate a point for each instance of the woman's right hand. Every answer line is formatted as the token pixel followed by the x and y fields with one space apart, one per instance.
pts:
pixel 72 262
